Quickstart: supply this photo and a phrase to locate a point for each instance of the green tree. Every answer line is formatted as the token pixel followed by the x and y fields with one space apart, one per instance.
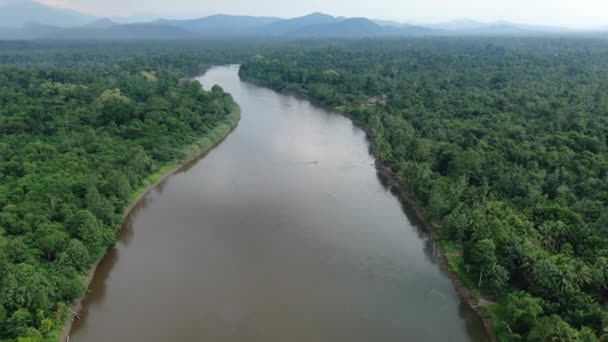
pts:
pixel 496 278
pixel 482 254
pixel 552 328
pixel 25 286
pixel 100 206
pixel 46 326
pixel 522 311
pixel 16 250
pixel 51 240
pixel 76 255
pixel 19 322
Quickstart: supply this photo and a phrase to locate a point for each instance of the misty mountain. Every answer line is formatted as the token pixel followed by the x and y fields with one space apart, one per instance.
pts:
pixel 388 23
pixel 355 27
pixel 25 20
pixel 17 14
pixel 222 24
pixel 145 31
pixel 471 27
pixel 497 28
pixel 358 27
pixel 101 23
pixel 285 26
pixel 458 25
pixel 27 32
pixel 541 28
pixel 407 30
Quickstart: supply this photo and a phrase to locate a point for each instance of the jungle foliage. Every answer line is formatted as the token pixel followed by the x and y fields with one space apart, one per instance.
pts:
pixel 80 129
pixel 503 143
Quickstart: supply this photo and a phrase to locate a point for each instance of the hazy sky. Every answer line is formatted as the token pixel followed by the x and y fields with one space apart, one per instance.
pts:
pixel 573 13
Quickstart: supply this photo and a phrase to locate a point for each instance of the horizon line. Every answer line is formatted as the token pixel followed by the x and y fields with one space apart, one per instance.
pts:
pixel 146 17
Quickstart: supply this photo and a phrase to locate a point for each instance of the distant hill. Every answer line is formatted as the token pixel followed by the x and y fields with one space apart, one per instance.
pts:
pixel 471 27
pixel 222 24
pixel 145 31
pixel 458 25
pixel 27 32
pixel 389 23
pixel 355 27
pixel 407 30
pixel 26 19
pixel 312 25
pixel 499 28
pixel 102 23
pixel 286 26
pixel 17 14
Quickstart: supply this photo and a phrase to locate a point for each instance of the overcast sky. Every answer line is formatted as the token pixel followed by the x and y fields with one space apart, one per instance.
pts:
pixel 572 13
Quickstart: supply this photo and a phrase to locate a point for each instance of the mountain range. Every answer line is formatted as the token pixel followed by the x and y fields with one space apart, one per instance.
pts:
pixel 31 20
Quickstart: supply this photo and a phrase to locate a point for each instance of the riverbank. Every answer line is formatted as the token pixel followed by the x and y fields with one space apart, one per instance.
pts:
pixel 194 152
pixel 469 295
pixel 475 302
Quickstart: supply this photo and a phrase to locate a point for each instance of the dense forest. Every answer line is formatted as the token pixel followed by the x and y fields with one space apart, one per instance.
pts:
pixel 502 143
pixel 504 146
pixel 82 129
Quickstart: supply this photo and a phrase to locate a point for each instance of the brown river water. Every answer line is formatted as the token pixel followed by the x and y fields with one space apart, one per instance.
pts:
pixel 283 233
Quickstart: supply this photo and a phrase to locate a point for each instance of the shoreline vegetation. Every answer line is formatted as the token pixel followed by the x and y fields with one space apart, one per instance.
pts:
pixel 194 152
pixel 86 131
pixel 500 145
pixel 466 292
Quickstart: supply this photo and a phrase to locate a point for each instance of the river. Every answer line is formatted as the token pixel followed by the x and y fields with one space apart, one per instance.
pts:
pixel 284 232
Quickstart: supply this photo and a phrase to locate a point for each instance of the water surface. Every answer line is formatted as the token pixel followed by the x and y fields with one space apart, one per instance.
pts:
pixel 283 233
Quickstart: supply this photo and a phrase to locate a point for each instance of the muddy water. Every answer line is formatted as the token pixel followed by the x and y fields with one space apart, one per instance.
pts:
pixel 285 232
